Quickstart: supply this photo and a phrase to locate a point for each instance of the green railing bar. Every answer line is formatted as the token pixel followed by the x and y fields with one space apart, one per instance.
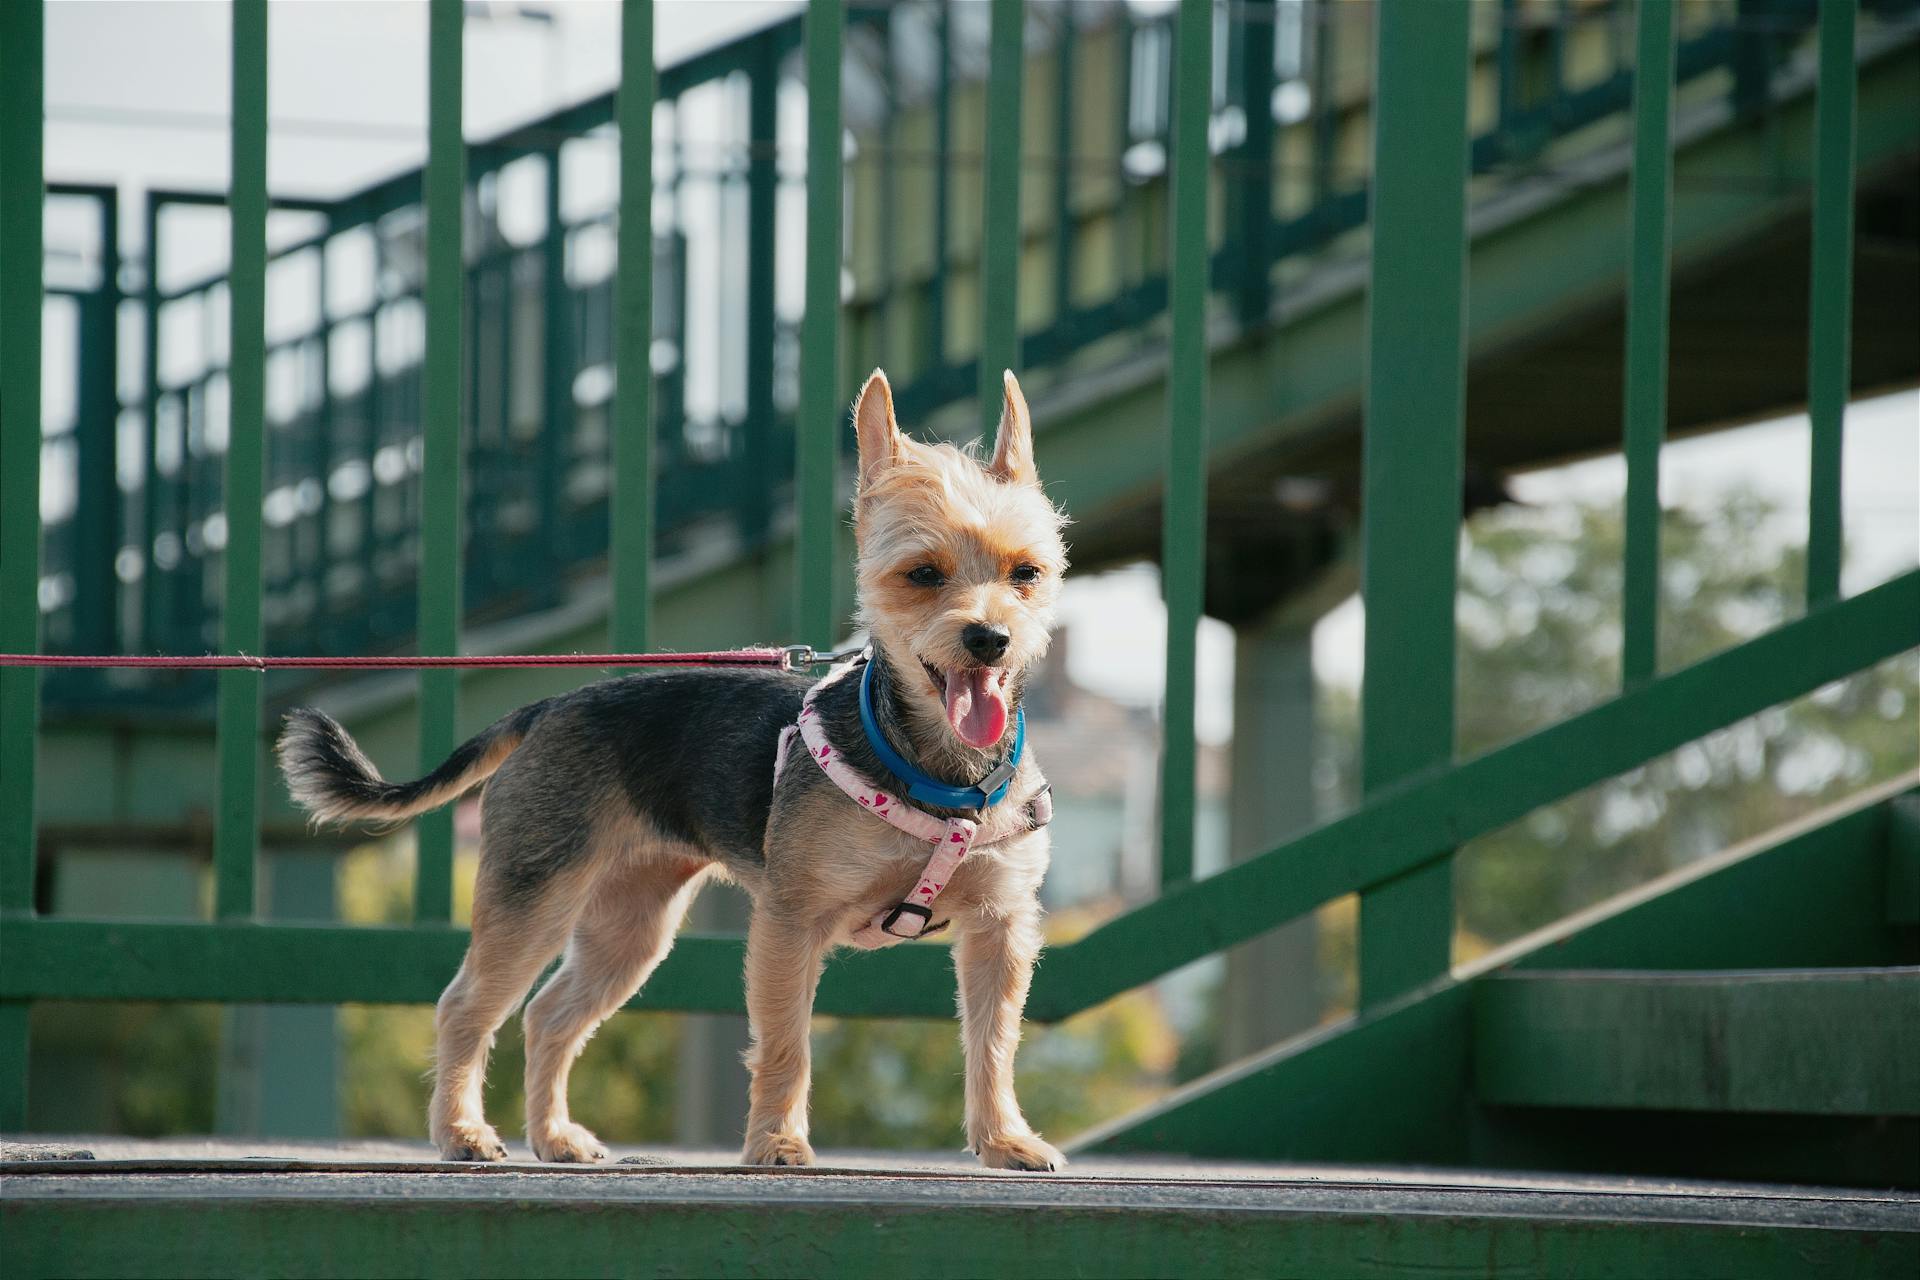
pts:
pixel 1415 822
pixel 1183 541
pixel 1000 228
pixel 816 433
pixel 22 200
pixel 73 959
pixel 237 706
pixel 1413 456
pixel 1647 309
pixel 631 510
pixel 439 575
pixel 1830 330
pixel 22 206
pixel 1419 821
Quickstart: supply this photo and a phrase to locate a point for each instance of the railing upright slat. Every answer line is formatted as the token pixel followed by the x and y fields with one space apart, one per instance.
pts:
pixel 1647 317
pixel 22 199
pixel 237 710
pixel 822 415
pixel 1000 229
pixel 1830 326
pixel 1183 531
pixel 631 518
pixel 1413 463
pixel 439 561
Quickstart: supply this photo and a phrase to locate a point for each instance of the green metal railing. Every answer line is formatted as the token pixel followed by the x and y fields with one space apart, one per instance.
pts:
pixel 139 565
pixel 1421 802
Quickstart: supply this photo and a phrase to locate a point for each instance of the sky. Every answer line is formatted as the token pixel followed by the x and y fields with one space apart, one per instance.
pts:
pixel 137 94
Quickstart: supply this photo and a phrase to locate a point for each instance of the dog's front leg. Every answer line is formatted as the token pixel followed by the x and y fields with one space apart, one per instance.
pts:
pixel 783 971
pixel 993 956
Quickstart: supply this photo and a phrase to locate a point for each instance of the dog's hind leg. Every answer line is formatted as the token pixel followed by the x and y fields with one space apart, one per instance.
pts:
pixel 515 934
pixel 634 910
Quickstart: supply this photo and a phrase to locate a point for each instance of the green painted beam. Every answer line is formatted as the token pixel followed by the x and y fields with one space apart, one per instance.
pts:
pixel 22 196
pixel 1809 897
pixel 1842 1042
pixel 556 1223
pixel 237 711
pixel 1183 536
pixel 1830 325
pixel 1648 303
pixel 438 627
pixel 822 415
pixel 631 508
pixel 69 959
pixel 1000 230
pixel 1412 445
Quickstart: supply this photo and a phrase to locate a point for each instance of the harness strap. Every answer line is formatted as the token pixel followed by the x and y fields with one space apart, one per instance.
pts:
pixel 951 838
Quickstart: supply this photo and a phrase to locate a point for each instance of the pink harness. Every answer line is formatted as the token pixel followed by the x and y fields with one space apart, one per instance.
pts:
pixel 951 837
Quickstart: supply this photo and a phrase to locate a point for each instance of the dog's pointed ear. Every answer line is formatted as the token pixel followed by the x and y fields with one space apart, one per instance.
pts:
pixel 1013 439
pixel 873 425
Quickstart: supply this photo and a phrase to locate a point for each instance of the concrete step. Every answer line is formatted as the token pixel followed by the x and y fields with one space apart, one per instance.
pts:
pixel 165 1208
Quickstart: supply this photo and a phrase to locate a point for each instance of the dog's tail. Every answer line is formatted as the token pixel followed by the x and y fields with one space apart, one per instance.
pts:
pixel 332 779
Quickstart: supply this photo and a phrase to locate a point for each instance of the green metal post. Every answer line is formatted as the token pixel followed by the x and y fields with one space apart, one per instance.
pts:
pixel 1252 192
pixel 630 532
pixel 97 528
pixel 237 735
pixel 1414 405
pixel 439 566
pixel 151 598
pixel 822 416
pixel 758 479
pixel 1326 110
pixel 557 360
pixel 1063 219
pixel 1183 533
pixel 1830 330
pixel 1647 307
pixel 22 199
pixel 942 193
pixel 22 196
pixel 1000 229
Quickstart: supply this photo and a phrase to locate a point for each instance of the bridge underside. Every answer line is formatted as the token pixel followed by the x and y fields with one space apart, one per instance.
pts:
pixel 155 1208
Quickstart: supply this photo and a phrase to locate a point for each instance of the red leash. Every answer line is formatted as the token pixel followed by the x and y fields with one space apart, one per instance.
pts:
pixel 795 657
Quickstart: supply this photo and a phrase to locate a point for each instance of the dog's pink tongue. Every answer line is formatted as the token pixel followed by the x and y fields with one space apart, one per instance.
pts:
pixel 976 705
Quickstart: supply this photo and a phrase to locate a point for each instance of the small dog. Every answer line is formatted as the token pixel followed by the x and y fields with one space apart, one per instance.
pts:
pixel 607 808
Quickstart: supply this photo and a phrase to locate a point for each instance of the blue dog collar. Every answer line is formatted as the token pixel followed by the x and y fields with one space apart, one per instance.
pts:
pixel 990 790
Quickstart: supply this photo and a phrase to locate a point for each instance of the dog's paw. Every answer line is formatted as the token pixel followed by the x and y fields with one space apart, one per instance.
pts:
pixel 1020 1151
pixel 472 1142
pixel 777 1149
pixel 569 1144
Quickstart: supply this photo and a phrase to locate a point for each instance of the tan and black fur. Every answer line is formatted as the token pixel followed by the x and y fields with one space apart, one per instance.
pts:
pixel 607 808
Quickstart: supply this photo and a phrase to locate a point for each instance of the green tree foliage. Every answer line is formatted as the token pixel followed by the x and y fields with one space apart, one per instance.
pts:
pixel 1539 641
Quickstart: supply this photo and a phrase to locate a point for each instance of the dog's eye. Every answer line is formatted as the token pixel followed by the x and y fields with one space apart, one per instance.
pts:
pixel 927 576
pixel 1025 574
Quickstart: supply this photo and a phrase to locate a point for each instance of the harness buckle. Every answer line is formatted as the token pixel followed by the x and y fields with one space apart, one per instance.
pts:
pixel 912 908
pixel 997 777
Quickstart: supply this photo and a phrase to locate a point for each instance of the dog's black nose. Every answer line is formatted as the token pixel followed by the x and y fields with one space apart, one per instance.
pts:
pixel 986 641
